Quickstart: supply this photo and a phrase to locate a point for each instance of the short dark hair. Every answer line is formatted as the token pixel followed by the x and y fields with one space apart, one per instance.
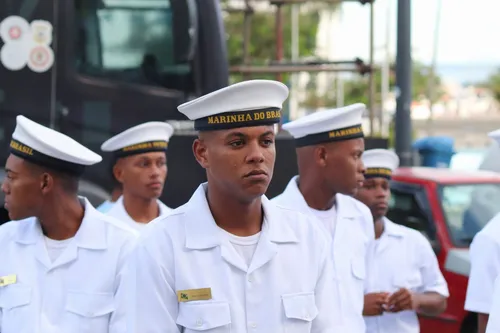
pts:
pixel 116 184
pixel 69 182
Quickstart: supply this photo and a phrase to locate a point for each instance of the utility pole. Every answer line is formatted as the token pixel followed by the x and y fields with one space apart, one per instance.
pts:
pixel 403 126
pixel 294 104
pixel 431 93
pixel 386 71
pixel 371 78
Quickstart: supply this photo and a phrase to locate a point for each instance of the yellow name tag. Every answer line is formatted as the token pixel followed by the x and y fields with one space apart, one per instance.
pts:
pixel 6 280
pixel 202 294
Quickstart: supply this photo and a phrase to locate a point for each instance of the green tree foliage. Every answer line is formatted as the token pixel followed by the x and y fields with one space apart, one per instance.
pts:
pixel 493 84
pixel 356 88
pixel 262 46
pixel 262 50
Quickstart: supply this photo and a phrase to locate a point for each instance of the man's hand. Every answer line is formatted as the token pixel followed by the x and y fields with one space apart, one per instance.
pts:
pixel 402 300
pixel 374 304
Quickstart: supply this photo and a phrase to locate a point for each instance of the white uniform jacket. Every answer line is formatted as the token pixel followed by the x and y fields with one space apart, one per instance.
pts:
pixel 288 286
pixel 494 311
pixel 352 241
pixel 402 258
pixel 485 267
pixel 119 212
pixel 76 292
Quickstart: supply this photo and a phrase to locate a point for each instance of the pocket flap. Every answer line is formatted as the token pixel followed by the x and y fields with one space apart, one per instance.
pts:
pixel 14 295
pixel 203 315
pixel 358 267
pixel 300 306
pixel 89 304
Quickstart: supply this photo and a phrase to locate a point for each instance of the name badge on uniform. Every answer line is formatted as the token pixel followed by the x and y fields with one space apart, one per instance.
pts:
pixel 8 279
pixel 188 295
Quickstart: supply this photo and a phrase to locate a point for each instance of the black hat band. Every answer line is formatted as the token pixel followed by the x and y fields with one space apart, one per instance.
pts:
pixel 26 152
pixel 142 148
pixel 228 120
pixel 341 134
pixel 378 173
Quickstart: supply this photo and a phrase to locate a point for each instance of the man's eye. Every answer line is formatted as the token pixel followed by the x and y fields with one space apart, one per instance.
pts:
pixel 268 142
pixel 236 143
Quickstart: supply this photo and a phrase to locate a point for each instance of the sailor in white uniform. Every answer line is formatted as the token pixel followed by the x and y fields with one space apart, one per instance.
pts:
pixel 62 261
pixel 484 255
pixel 329 147
pixel 140 165
pixel 493 324
pixel 403 277
pixel 230 260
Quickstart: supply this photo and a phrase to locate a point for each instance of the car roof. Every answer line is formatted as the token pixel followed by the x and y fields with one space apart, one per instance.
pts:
pixel 446 176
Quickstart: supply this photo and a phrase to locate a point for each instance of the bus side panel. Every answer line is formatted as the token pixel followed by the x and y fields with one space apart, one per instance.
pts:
pixel 23 91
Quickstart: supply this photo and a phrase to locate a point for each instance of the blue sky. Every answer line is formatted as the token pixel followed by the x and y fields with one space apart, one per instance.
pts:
pixel 465 52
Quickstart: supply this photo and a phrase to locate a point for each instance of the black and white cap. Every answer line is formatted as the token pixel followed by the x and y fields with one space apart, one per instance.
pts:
pixel 327 126
pixel 144 138
pixel 46 147
pixel 244 104
pixel 379 163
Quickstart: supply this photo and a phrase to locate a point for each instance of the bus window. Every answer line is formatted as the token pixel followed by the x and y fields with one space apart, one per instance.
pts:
pixel 129 40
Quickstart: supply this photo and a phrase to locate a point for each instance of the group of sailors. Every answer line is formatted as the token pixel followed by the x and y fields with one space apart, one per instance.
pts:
pixel 321 257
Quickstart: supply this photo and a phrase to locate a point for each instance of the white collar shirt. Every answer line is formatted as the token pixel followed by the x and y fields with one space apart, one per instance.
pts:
pixel 352 240
pixel 75 293
pixel 286 288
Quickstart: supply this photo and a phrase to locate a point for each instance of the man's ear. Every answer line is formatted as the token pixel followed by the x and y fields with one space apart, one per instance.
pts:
pixel 118 171
pixel 320 155
pixel 46 183
pixel 200 152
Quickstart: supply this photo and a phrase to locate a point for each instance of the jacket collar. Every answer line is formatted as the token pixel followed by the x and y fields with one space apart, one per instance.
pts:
pixel 292 197
pixel 90 235
pixel 202 231
pixel 392 229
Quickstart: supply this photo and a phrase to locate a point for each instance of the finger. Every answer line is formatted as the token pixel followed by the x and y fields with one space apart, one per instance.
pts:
pixel 395 295
pixel 405 305
pixel 393 298
pixel 381 299
pixel 402 294
pixel 397 307
pixel 403 299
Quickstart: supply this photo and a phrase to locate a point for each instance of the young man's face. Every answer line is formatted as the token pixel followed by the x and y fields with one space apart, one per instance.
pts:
pixel 375 193
pixel 22 189
pixel 345 169
pixel 239 160
pixel 142 175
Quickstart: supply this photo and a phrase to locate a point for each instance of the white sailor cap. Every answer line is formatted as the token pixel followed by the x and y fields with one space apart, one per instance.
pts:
pixel 495 135
pixel 379 163
pixel 329 125
pixel 144 138
pixel 244 104
pixel 44 146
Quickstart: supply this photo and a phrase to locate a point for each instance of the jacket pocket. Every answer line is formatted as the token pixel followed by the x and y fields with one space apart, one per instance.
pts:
pixel 15 303
pixel 89 312
pixel 300 310
pixel 205 316
pixel 358 268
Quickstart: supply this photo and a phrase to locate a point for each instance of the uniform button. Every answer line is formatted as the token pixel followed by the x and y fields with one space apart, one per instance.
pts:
pixel 253 325
pixel 250 279
pixel 199 322
pixel 307 316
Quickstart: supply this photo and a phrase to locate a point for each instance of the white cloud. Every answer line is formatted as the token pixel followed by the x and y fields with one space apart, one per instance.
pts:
pixel 467 30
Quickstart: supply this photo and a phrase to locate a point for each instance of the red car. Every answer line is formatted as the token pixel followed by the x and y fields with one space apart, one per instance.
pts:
pixel 449 207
